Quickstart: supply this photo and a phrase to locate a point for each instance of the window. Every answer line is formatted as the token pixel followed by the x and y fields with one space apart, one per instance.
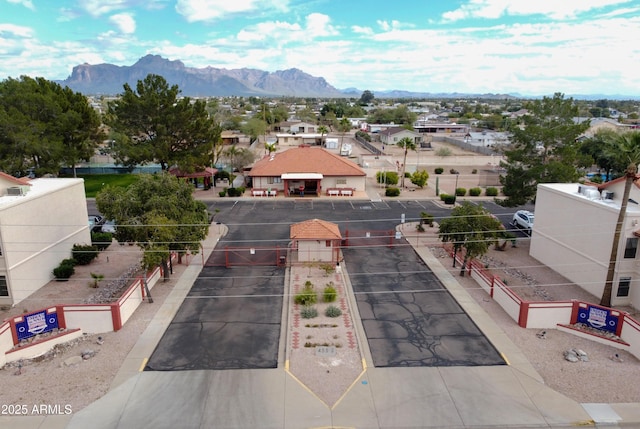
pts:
pixel 341 181
pixel 272 180
pixel 631 248
pixel 4 290
pixel 623 286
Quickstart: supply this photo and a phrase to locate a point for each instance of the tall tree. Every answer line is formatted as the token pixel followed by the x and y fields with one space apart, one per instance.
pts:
pixel 407 144
pixel 470 227
pixel 158 213
pixel 323 132
pixel 44 126
pixel 366 97
pixel 344 126
pixel 543 149
pixel 624 148
pixel 152 124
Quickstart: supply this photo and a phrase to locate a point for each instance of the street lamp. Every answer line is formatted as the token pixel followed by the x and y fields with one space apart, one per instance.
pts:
pixel 455 189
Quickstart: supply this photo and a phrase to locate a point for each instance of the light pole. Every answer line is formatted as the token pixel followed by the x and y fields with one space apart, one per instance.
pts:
pixel 455 189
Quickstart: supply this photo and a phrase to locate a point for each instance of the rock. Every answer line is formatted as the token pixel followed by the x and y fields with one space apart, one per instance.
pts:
pixel 87 354
pixel 616 358
pixel 581 355
pixel 571 356
pixel 542 335
pixel 73 360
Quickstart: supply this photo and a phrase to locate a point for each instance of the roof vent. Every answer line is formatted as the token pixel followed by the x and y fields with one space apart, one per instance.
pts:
pixel 15 191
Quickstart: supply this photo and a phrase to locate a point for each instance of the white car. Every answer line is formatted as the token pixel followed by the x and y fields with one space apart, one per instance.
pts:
pixel 523 219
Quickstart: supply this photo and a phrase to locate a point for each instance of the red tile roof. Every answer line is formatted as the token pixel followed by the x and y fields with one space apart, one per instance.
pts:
pixel 18 181
pixel 305 159
pixel 315 229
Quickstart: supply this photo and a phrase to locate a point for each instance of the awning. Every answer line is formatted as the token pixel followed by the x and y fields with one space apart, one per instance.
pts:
pixel 208 172
pixel 301 176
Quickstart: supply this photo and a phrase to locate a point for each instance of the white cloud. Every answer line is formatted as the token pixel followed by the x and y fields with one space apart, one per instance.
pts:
pixel 362 30
pixel 207 10
pixel 101 7
pixel 26 3
pixel 318 25
pixel 12 30
pixel 124 22
pixel 554 9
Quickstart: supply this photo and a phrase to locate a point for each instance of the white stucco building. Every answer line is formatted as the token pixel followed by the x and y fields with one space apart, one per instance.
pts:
pixel 573 234
pixel 40 221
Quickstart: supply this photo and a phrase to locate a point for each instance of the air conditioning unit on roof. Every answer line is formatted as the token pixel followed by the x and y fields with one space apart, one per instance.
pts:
pixel 15 191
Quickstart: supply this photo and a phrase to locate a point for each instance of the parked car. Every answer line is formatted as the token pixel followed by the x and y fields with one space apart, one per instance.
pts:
pixel 109 226
pixel 523 219
pixel 95 223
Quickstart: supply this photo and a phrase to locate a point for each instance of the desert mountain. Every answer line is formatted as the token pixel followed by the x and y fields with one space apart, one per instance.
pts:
pixel 208 81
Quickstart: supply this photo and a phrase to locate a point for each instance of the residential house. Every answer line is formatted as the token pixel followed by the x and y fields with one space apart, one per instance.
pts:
pixel 392 136
pixel 597 124
pixel 296 127
pixel 306 170
pixel 40 221
pixel 316 240
pixel 573 234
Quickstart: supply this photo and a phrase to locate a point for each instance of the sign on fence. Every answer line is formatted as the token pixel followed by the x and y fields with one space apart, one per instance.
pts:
pixel 36 323
pixel 598 317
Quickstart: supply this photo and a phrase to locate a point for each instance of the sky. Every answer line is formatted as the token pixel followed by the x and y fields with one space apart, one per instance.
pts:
pixel 529 47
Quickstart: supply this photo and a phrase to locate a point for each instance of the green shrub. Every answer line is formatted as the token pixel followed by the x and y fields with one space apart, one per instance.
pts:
pixel 308 312
pixel 327 268
pixel 419 178
pixel 387 177
pixel 474 192
pixel 308 295
pixel 236 192
pixel 419 227
pixel 439 170
pixel 84 253
pixel 426 218
pixel 443 197
pixel 454 171
pixel 407 175
pixel 474 171
pixel 491 192
pixel 65 269
pixel 332 311
pixel 329 294
pixel 101 240
pixel 363 135
pixel 392 192
pixel 223 193
pixel 449 199
pixel 461 192
pixel 444 151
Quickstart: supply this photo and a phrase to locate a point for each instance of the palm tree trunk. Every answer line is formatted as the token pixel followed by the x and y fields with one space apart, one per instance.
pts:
pixel 605 300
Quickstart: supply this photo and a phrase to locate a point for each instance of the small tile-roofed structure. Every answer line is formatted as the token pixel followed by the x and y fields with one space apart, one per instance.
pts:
pixel 316 240
pixel 307 170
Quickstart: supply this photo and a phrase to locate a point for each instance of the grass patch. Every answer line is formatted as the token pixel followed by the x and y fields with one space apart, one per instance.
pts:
pixel 93 183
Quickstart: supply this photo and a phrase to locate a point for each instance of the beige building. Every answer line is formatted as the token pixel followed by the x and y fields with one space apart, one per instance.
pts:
pixel 40 221
pixel 573 234
pixel 316 240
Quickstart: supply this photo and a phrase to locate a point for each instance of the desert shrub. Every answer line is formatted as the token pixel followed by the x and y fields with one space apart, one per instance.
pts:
pixel 236 192
pixel 329 294
pixel 327 268
pixel 443 197
pixel 426 218
pixel 439 170
pixel 332 311
pixel 101 240
pixel 65 269
pixel 474 192
pixel 363 135
pixel 461 192
pixel 308 312
pixel 491 192
pixel 454 171
pixel 392 192
pixel 474 171
pixel 307 296
pixel 449 199
pixel 419 178
pixel 84 253
pixel 407 175
pixel 223 193
pixel 387 177
pixel 444 151
pixel 419 227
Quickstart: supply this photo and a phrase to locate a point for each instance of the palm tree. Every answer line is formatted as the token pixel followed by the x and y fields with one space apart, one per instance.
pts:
pixel 626 149
pixel 343 126
pixel 407 144
pixel 323 131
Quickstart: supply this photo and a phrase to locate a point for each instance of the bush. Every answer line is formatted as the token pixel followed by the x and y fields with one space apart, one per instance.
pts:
pixel 474 171
pixel 308 295
pixel 407 175
pixel 461 192
pixel 439 170
pixel 419 178
pixel 444 151
pixel 84 253
pixel 363 135
pixel 223 193
pixel 329 294
pixel 308 312
pixel 426 218
pixel 387 177
pixel 474 192
pixel 491 192
pixel 454 171
pixel 101 240
pixel 449 199
pixel 65 269
pixel 392 192
pixel 332 311
pixel 236 192
pixel 443 197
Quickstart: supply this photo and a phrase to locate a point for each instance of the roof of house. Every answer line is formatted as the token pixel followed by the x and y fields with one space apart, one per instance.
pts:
pixel 315 229
pixel 24 181
pixel 207 172
pixel 305 159
pixel 396 130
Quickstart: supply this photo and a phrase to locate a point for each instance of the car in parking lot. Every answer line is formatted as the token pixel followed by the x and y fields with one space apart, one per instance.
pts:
pixel 95 223
pixel 523 219
pixel 109 226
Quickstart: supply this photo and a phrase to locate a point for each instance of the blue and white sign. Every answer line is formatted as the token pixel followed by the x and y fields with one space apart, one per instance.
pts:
pixel 36 323
pixel 598 318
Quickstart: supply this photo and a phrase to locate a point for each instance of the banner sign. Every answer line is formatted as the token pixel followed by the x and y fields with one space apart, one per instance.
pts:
pixel 598 317
pixel 36 323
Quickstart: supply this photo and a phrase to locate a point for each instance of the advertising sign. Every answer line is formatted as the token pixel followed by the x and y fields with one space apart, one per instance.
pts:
pixel 36 323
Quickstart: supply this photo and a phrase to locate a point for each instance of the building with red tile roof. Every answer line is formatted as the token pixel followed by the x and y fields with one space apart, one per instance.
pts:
pixel 307 170
pixel 316 240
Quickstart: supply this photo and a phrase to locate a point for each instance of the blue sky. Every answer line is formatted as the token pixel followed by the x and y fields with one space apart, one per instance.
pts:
pixel 531 47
